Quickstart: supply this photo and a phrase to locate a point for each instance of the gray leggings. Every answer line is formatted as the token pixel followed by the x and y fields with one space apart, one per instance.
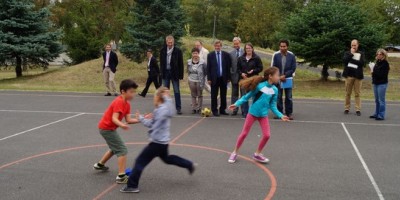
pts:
pixel 197 95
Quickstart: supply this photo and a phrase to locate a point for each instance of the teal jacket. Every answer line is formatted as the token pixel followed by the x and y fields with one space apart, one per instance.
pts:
pixel 267 100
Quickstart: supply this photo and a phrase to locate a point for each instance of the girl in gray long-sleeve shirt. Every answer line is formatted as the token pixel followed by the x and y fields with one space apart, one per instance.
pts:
pixel 159 123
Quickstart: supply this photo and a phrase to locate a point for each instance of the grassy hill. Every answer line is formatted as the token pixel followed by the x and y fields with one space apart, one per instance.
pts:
pixel 87 77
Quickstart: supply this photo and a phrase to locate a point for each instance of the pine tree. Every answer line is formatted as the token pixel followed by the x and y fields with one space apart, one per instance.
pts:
pixel 152 21
pixel 26 35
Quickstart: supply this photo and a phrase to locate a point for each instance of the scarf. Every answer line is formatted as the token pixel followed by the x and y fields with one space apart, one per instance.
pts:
pixel 169 55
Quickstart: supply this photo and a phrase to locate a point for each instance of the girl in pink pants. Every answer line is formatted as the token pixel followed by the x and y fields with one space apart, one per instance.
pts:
pixel 264 95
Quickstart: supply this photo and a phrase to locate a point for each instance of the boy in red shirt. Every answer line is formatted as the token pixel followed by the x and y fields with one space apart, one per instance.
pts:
pixel 111 120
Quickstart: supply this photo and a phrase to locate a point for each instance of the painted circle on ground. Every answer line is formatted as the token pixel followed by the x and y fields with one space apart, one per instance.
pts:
pixel 272 178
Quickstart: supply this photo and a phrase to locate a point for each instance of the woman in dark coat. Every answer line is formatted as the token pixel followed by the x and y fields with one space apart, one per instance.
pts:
pixel 380 72
pixel 248 65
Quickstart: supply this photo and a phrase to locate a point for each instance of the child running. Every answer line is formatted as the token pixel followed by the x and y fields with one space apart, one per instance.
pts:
pixel 159 123
pixel 265 96
pixel 111 120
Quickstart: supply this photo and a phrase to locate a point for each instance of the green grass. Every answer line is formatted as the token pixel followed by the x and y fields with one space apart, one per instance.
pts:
pixel 87 77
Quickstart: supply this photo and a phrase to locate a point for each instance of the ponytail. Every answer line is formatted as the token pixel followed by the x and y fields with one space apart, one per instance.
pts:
pixel 252 82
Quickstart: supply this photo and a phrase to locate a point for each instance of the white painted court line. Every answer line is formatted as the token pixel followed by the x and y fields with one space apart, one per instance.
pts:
pixel 371 178
pixel 225 118
pixel 98 95
pixel 32 129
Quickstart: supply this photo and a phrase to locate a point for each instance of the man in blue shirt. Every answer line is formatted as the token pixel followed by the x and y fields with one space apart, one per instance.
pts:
pixel 285 61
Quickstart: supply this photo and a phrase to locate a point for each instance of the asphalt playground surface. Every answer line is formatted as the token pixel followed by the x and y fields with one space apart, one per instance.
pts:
pixel 49 142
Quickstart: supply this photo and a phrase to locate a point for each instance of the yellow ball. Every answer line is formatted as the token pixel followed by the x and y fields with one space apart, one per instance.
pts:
pixel 205 112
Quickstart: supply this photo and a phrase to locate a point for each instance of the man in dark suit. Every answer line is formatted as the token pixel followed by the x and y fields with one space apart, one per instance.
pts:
pixel 218 76
pixel 235 54
pixel 153 72
pixel 171 63
pixel 110 64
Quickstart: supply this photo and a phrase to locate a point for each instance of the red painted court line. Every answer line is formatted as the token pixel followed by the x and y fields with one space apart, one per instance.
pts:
pixel 99 196
pixel 187 130
pixel 272 178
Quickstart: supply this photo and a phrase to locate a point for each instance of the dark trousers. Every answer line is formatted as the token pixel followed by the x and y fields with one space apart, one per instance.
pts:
pixel 235 94
pixel 220 84
pixel 288 100
pixel 245 105
pixel 150 80
pixel 150 152
pixel 175 84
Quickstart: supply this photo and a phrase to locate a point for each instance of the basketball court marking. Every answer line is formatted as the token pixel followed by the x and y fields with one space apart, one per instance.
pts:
pixel 364 164
pixel 38 127
pixel 197 117
pixel 270 175
pixel 97 95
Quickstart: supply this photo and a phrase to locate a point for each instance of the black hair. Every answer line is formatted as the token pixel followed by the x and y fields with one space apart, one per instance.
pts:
pixel 127 84
pixel 284 41
pixel 195 50
pixel 149 50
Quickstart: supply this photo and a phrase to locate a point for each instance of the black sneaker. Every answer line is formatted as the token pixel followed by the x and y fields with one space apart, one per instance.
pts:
pixel 234 113
pixel 142 95
pixel 194 111
pixel 372 117
pixel 191 170
pixel 358 113
pixel 122 179
pixel 379 119
pixel 290 116
pixel 346 112
pixel 127 189
pixel 100 167
pixel 179 112
pixel 108 94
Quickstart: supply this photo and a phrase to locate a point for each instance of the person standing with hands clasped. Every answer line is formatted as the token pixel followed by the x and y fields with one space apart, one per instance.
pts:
pixel 354 61
pixel 159 123
pixel 248 65
pixel 235 76
pixel 265 95
pixel 380 73
pixel 218 76
pixel 196 79
pixel 110 64
pixel 153 73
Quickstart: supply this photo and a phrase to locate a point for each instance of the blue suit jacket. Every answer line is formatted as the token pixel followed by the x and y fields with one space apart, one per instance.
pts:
pixel 290 66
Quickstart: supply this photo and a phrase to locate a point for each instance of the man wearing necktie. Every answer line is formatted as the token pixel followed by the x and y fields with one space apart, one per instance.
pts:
pixel 110 59
pixel 235 54
pixel 218 76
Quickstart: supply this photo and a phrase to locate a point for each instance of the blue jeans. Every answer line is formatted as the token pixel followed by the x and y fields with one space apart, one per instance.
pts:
pixel 175 84
pixel 288 100
pixel 380 100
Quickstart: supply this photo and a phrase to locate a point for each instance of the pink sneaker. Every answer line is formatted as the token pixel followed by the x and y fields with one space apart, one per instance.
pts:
pixel 232 158
pixel 260 158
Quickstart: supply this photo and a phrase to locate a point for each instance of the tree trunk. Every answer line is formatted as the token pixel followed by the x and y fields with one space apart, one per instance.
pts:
pixel 324 72
pixel 18 67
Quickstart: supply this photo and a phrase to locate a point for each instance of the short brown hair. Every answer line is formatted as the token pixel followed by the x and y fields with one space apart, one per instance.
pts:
pixel 218 42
